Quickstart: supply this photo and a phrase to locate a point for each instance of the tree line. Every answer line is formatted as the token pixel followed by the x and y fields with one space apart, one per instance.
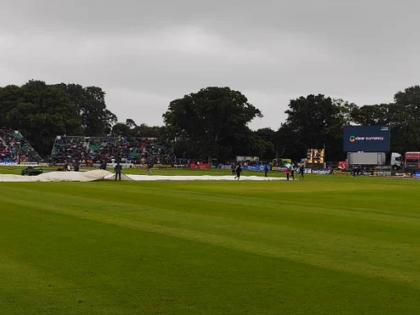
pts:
pixel 41 112
pixel 209 124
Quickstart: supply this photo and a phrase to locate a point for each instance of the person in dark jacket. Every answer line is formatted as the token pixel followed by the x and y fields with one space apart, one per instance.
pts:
pixel 233 168
pixel 76 166
pixel 302 171
pixel 103 165
pixel 118 170
pixel 266 169
pixel 238 170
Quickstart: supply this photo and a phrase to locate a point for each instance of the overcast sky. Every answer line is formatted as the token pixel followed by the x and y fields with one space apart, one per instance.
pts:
pixel 146 53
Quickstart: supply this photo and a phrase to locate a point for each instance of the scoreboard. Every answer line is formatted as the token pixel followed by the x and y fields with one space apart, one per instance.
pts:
pixel 367 139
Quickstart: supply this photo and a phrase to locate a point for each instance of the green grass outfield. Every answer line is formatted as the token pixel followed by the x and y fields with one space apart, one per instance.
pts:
pixel 326 245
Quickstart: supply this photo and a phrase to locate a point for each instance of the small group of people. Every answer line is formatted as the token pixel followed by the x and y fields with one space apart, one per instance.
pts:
pixel 67 167
pixel 357 171
pixel 236 169
pixel 292 169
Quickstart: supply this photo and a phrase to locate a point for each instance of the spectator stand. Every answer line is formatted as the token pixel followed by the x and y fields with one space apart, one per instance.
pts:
pixel 15 149
pixel 93 150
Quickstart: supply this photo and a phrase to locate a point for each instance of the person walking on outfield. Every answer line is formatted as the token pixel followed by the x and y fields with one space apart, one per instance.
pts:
pixel 288 173
pixel 149 166
pixel 238 170
pixel 266 169
pixel 118 169
pixel 302 171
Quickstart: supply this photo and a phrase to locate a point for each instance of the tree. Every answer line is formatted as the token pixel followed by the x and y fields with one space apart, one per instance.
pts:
pixel 121 130
pixel 370 115
pixel 403 116
pixel 130 123
pixel 265 139
pixel 131 129
pixel 211 122
pixel 149 131
pixel 97 120
pixel 314 121
pixel 41 112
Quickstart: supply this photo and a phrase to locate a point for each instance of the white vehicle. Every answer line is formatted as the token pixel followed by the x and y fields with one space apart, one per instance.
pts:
pixel 366 158
pixel 396 161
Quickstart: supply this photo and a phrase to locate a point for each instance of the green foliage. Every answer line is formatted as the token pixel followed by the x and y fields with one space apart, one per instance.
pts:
pixel 41 112
pixel 120 129
pixel 265 140
pixel 315 121
pixel 90 102
pixel 131 129
pixel 211 123
pixel 403 116
pixel 371 115
pixel 405 120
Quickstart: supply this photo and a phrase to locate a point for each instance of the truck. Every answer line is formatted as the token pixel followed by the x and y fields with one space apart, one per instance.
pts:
pixel 396 161
pixel 412 161
pixel 366 158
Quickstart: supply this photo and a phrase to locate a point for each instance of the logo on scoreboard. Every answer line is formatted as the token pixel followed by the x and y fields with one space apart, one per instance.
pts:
pixel 354 139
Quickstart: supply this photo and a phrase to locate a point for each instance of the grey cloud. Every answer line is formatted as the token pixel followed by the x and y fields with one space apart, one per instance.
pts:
pixel 146 53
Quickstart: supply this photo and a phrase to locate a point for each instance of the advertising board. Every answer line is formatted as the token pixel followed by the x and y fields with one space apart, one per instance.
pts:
pixel 366 139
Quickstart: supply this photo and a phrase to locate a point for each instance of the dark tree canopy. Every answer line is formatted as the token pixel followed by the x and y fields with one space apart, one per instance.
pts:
pixel 317 120
pixel 131 129
pixel 90 101
pixel 211 123
pixel 265 140
pixel 403 116
pixel 371 115
pixel 314 121
pixel 121 130
pixel 41 112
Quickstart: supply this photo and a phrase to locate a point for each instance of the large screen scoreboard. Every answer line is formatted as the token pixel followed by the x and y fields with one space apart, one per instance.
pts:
pixel 367 139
